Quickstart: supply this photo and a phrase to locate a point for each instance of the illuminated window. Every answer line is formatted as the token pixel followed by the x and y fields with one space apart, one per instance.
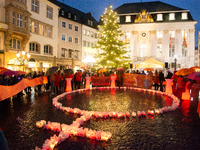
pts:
pixel 33 27
pixel 159 50
pixel 159 17
pixel 69 15
pixel 62 12
pixel 118 21
pixel 84 32
pixel 184 33
pixel 184 16
pixel 172 16
pixel 75 17
pixel 128 35
pixel 91 23
pixel 159 34
pixel 128 18
pixel 184 50
pixel 172 34
pixel 41 28
pixel 172 50
pixel 143 50
pixel 88 33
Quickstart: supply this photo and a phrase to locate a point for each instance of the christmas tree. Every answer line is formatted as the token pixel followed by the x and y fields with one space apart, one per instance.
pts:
pixel 112 49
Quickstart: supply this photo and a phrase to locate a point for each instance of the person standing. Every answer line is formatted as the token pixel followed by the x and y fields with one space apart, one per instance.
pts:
pixel 57 78
pixel 161 80
pixel 62 82
pixel 78 79
pixel 156 80
pixel 180 86
pixel 52 80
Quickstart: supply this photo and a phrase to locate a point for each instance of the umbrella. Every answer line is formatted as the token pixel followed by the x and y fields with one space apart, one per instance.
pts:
pixel 121 69
pixel 51 70
pixel 3 69
pixel 102 70
pixel 10 72
pixel 196 68
pixel 148 69
pixel 193 76
pixel 67 70
pixel 198 74
pixel 184 72
pixel 21 72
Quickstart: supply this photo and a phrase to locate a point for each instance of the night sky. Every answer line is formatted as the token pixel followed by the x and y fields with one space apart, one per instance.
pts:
pixel 97 7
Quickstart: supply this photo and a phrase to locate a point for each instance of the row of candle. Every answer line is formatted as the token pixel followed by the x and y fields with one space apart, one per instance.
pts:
pixel 74 128
pixel 68 130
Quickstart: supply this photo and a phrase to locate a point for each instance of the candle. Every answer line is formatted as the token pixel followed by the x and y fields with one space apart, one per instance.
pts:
pixel 127 114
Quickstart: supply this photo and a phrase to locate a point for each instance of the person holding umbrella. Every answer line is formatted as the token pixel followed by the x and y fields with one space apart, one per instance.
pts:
pixel 52 80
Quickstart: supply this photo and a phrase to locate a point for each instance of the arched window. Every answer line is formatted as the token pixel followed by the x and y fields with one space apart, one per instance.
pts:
pixel 159 50
pixel 34 47
pixel 14 44
pixel 48 49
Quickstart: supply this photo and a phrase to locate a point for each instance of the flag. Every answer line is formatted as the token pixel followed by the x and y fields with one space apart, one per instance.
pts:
pixel 184 41
pixel 125 38
pixel 170 41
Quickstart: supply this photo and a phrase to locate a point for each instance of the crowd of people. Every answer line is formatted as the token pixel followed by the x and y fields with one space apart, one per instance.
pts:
pixel 58 83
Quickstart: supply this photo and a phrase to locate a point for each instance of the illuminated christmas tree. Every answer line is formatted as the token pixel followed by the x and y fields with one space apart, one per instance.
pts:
pixel 111 48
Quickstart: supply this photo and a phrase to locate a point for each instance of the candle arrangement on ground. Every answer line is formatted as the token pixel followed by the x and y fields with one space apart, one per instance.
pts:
pixel 75 128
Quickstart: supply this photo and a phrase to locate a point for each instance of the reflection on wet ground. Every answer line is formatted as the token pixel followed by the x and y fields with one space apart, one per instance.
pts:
pixel 179 129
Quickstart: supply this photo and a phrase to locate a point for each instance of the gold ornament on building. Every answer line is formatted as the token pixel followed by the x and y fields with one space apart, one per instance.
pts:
pixel 143 16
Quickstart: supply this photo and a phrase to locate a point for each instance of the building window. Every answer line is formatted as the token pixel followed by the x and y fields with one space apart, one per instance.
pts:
pixel 88 33
pixel 128 18
pixel 184 33
pixel 63 37
pixel 75 17
pixel 48 31
pixel 14 44
pixel 88 44
pixel 70 39
pixel 92 45
pixel 14 18
pixel 76 54
pixel 76 40
pixel 70 26
pixel 159 34
pixel 62 12
pixel 76 28
pixel 172 16
pixel 92 34
pixel 118 21
pixel 143 50
pixel 184 16
pixel 69 15
pixel 70 53
pixel 25 22
pixel 49 12
pixel 159 17
pixel 184 50
pixel 84 43
pixel 35 5
pixel 84 32
pixel 171 50
pixel 128 35
pixel 19 20
pixel 63 52
pixel 20 1
pixel 34 47
pixel 172 34
pixel 33 27
pixel 91 23
pixel 159 50
pixel 95 35
pixel 63 24
pixel 47 49
pixel 41 29
pixel 88 22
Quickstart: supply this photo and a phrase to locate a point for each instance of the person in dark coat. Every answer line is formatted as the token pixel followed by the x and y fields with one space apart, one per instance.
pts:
pixel 169 75
pixel 161 80
pixel 3 141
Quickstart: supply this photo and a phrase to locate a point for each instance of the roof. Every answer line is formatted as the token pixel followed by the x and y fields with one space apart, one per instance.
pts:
pixel 155 6
pixel 81 16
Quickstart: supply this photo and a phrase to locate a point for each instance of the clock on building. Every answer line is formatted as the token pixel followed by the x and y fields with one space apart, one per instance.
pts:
pixel 143 34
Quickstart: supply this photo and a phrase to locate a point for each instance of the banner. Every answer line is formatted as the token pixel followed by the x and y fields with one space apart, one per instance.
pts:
pixel 137 80
pixel 100 81
pixel 9 91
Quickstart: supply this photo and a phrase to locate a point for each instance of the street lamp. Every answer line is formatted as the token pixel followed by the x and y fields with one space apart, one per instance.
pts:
pixel 175 60
pixel 23 56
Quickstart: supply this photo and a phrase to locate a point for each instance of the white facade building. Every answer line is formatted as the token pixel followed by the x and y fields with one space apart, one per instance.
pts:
pixel 158 30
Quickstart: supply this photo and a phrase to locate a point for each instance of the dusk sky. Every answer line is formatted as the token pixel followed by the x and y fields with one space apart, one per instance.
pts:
pixel 97 7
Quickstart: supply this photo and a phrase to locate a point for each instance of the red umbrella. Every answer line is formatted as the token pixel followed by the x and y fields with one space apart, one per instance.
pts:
pixel 10 72
pixel 121 69
pixel 193 76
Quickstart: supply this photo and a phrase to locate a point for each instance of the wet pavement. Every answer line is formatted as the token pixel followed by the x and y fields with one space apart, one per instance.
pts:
pixel 176 130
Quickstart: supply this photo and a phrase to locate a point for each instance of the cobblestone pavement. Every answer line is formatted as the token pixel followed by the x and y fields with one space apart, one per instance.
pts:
pixel 176 130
